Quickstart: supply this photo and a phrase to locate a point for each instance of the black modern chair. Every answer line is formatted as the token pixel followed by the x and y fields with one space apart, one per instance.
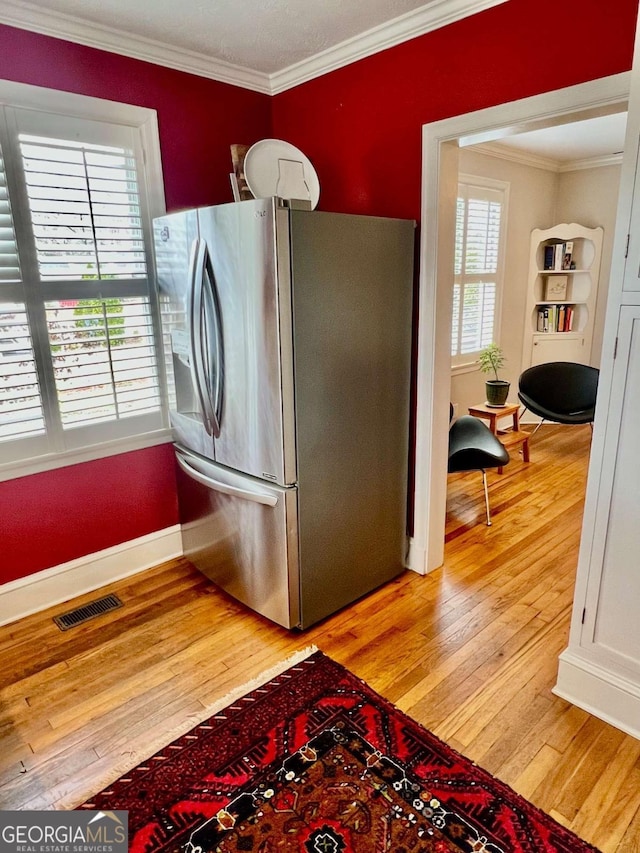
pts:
pixel 473 447
pixel 560 391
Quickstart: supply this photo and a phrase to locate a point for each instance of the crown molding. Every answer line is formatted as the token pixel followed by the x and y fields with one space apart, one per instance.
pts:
pixel 439 13
pixel 515 155
pixel 526 158
pixel 592 162
pixel 408 26
pixel 27 16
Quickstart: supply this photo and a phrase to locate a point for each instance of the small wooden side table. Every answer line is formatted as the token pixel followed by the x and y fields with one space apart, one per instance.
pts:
pixel 512 438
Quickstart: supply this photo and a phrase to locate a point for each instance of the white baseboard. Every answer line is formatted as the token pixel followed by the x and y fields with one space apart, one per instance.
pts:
pixel 600 692
pixel 52 586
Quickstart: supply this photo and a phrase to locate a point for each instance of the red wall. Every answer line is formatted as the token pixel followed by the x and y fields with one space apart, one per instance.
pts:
pixel 64 514
pixel 198 119
pixel 56 516
pixel 360 125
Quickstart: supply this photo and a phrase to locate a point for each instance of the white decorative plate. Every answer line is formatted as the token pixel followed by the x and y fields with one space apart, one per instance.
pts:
pixel 273 167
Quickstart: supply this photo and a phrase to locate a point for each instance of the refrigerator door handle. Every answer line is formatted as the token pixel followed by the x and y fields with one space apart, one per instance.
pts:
pixel 196 308
pixel 228 488
pixel 193 266
pixel 212 318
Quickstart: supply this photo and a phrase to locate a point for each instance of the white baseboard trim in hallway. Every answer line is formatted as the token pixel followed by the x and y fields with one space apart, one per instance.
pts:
pixel 599 691
pixel 52 586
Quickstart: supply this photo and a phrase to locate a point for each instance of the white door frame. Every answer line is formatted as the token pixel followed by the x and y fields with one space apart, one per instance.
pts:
pixel 440 143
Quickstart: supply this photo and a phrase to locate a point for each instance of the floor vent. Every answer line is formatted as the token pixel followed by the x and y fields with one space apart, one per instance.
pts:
pixel 87 611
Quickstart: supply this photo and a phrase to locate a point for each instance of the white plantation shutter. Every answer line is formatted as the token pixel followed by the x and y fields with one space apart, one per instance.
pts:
pixel 21 412
pixel 9 263
pixel 103 359
pixel 78 334
pixel 482 237
pixel 85 209
pixel 480 217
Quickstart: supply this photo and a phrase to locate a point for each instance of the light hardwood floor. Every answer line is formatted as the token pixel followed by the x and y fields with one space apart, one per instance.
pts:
pixel 470 651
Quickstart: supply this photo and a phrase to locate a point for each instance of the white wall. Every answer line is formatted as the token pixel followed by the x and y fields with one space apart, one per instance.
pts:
pixel 532 204
pixel 538 198
pixel 590 197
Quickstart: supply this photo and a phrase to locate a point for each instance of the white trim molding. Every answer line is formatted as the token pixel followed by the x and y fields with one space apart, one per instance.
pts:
pixel 52 586
pixel 527 158
pixel 416 557
pixel 440 143
pixel 51 461
pixel 144 119
pixel 139 127
pixel 592 163
pixel 515 155
pixel 436 14
pixel 599 691
pixel 28 16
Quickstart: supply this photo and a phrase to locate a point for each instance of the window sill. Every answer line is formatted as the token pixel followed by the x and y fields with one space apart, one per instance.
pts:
pixel 468 367
pixel 27 467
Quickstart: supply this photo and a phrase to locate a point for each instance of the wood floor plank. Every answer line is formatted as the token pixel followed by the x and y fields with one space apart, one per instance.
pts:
pixel 527 664
pixel 619 775
pixel 551 791
pixel 594 763
pixel 556 729
pixel 537 770
pixel 612 826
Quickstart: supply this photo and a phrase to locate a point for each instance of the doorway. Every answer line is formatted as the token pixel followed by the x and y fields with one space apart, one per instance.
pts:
pixel 441 142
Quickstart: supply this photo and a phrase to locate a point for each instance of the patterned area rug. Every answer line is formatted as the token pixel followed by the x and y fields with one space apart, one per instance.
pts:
pixel 314 761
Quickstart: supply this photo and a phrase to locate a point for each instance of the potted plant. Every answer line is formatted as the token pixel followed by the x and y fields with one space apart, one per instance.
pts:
pixel 491 359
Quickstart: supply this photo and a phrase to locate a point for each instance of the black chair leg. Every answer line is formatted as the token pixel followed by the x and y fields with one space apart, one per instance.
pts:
pixel 536 429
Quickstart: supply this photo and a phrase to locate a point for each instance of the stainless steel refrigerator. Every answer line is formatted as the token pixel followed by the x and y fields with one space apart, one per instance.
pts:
pixel 287 338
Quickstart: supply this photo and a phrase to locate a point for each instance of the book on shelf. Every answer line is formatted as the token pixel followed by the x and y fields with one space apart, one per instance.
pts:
pixel 558 256
pixel 550 326
pixel 548 257
pixel 562 313
pixel 543 319
pixel 540 325
pixel 568 323
pixel 554 256
pixel 567 255
pixel 555 318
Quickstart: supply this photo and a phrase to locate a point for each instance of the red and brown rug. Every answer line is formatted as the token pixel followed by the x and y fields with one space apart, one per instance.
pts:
pixel 314 761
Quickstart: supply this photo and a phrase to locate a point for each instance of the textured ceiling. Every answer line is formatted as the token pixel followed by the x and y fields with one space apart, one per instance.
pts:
pixel 263 35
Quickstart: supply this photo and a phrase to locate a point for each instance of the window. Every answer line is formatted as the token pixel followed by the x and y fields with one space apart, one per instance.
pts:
pixel 79 360
pixel 480 218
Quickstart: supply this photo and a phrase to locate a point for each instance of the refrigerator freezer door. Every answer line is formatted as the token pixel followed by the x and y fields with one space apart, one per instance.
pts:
pixel 352 292
pixel 242 534
pixel 242 241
